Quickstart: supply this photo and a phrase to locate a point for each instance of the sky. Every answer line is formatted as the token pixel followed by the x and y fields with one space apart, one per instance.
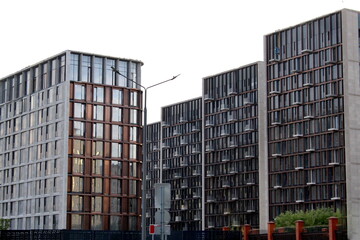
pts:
pixel 194 38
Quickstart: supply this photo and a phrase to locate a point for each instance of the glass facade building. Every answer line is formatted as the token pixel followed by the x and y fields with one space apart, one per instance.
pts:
pixel 70 139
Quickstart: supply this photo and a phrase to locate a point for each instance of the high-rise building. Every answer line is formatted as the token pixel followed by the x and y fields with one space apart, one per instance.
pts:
pixel 313 130
pixel 231 146
pixel 70 144
pixel 283 134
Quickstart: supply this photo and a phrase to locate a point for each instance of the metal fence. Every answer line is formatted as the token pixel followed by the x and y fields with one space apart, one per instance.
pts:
pixel 113 235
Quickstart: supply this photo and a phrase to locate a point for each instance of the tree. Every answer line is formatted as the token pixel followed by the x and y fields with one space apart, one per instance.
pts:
pixel 4 224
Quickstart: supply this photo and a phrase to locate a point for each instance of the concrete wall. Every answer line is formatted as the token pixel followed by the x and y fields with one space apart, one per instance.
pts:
pixel 352 117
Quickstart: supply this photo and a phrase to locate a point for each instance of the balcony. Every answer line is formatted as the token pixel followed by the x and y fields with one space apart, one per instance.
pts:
pixel 197 217
pixel 183 141
pixel 296 70
pixel 250 182
pixel 249 155
pixel 183 207
pixel 210 174
pixel 148 177
pixel 333 129
pixel 331 95
pixel 208 97
pixel 299 168
pixel 148 196
pixel 184 163
pixel 177 175
pixel 165 146
pixel 209 148
pixel 184 185
pixel 233 170
pixel 299 201
pixel 156 148
pixel 178 219
pixel 330 61
pixel 231 118
pixel 195 129
pixel 227 212
pixel 182 120
pixel 250 211
pixel 232 91
pixel 233 144
pixel 176 154
pixel 224 132
pixel 234 197
pixel 276 123
pixel 210 199
pixel 274 60
pixel 308 83
pixel 176 132
pixel 276 154
pixel 248 128
pixel 195 150
pixel 309 116
pixel 225 184
pixel 196 173
pixel 298 102
pixel 209 123
pixel 275 91
pixel 248 102
pixel 310 149
pixel 277 186
pixel 335 198
pixel 196 195
pixel 148 214
pixel 235 223
pixel 164 124
pixel 224 107
pixel 335 163
pixel 306 51
pixel 310 183
pixel 297 135
pixel 166 167
pixel 177 197
pixel 225 158
pixel 156 166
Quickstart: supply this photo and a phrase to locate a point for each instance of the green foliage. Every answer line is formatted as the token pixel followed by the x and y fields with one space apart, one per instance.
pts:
pixel 4 224
pixel 315 217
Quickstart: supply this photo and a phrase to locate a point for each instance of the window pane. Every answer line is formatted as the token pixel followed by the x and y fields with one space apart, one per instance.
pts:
pixel 117 97
pixel 79 128
pixel 97 167
pixel 78 165
pixel 98 94
pixel 79 92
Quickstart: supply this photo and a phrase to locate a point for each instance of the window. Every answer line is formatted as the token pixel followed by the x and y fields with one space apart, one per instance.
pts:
pixel 110 74
pixel 96 222
pixel 133 169
pixel 98 70
pixel 116 168
pixel 79 128
pixel 77 221
pixel 133 134
pixel 115 186
pixel 133 116
pixel 116 114
pixel 115 205
pixel 74 69
pixel 78 165
pixel 79 92
pixel 133 151
pixel 98 94
pixel 132 187
pixel 98 130
pixel 132 205
pixel 117 96
pixel 97 148
pixel 116 132
pixel 116 150
pixel 79 110
pixel 97 167
pixel 98 112
pixel 115 223
pixel 77 184
pixel 78 147
pixel 96 204
pixel 133 99
pixel 86 69
pixel 96 185
pixel 77 203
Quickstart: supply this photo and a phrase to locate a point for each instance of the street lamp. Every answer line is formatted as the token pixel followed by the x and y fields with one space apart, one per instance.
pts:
pixel 144 165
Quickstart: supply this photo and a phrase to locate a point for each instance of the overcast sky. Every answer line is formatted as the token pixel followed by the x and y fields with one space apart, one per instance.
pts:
pixel 195 38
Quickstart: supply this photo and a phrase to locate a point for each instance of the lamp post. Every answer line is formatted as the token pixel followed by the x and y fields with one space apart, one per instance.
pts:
pixel 144 165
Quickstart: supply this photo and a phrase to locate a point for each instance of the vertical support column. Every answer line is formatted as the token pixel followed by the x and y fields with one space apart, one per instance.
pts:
pixel 333 221
pixel 246 231
pixel 271 230
pixel 299 229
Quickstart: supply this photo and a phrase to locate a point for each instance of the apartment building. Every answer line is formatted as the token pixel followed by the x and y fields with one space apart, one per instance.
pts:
pixel 70 144
pixel 313 95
